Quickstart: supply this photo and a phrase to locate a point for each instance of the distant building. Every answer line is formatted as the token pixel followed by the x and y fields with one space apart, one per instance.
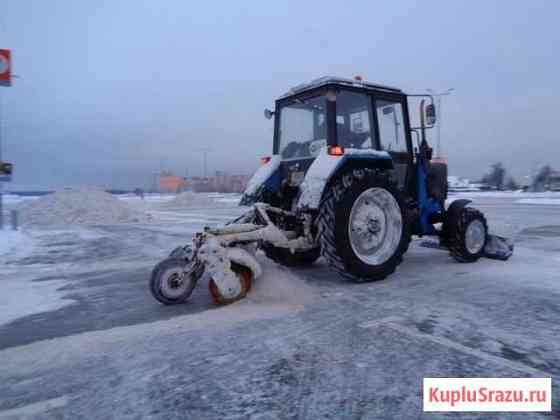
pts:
pixel 221 182
pixel 201 184
pixel 171 183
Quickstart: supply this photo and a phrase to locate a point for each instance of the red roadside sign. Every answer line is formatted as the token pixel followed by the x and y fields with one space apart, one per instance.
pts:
pixel 5 67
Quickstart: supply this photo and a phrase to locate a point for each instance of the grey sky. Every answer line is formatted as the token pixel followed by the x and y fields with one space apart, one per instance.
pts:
pixel 110 90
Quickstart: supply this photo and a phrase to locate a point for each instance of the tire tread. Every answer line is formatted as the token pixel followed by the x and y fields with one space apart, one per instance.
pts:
pixel 327 223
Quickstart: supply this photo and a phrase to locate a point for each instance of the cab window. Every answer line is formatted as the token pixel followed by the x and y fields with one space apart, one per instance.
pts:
pixel 303 128
pixel 391 128
pixel 354 126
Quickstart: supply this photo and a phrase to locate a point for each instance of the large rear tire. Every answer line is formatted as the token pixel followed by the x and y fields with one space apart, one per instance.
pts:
pixel 363 225
pixel 284 256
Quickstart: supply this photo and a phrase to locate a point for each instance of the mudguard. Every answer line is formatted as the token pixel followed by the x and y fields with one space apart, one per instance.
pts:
pixel 497 247
pixel 451 215
pixel 325 166
pixel 267 178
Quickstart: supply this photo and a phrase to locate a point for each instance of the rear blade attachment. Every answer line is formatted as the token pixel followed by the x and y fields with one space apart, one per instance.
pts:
pixel 498 248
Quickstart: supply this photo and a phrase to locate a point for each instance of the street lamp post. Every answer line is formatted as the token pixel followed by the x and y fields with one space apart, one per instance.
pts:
pixel 204 151
pixel 439 95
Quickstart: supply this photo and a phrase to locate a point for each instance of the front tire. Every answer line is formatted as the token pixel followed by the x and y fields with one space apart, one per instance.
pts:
pixel 468 235
pixel 363 225
pixel 170 284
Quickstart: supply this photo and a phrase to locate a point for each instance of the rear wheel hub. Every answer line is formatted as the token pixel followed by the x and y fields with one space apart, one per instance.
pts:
pixel 375 226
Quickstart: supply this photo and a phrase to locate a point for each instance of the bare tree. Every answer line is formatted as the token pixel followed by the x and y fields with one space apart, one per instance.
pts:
pixel 511 185
pixel 542 178
pixel 496 177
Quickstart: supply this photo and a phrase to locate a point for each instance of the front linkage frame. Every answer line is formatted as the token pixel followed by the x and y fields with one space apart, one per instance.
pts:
pixel 226 256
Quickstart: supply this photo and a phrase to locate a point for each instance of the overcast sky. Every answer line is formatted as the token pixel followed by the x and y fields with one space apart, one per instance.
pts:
pixel 111 90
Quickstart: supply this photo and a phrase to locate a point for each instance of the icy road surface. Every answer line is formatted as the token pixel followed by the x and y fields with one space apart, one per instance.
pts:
pixel 81 337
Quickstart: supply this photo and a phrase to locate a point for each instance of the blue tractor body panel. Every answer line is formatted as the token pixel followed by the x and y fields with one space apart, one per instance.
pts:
pixel 326 166
pixel 268 178
pixel 426 204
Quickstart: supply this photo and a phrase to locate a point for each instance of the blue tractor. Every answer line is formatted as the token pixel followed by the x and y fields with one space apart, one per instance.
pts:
pixel 350 180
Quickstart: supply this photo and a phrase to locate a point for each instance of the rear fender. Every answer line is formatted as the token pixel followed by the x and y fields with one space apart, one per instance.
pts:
pixel 325 168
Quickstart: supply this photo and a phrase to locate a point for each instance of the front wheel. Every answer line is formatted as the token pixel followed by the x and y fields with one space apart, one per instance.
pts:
pixel 363 225
pixel 468 235
pixel 172 282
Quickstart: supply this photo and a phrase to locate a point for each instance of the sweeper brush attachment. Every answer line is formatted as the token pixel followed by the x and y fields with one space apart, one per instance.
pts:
pixel 225 255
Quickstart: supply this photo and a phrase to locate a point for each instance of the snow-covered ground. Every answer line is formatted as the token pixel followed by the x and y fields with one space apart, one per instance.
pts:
pixel 542 201
pixel 57 252
pixel 76 314
pixel 507 194
pixel 542 198
pixel 14 242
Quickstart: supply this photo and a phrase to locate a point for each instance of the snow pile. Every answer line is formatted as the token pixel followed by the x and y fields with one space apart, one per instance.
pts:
pixel 13 241
pixel 13 199
pixel 279 286
pixel 83 206
pixel 190 199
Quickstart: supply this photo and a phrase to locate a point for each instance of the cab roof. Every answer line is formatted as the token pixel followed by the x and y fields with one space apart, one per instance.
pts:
pixel 332 80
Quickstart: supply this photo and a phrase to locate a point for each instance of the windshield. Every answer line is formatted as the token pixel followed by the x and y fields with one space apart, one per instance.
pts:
pixel 303 128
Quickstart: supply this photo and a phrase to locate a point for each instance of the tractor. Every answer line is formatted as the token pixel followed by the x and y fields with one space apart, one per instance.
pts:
pixel 350 180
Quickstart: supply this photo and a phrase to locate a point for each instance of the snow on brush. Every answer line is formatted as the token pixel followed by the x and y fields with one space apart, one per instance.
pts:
pixel 81 206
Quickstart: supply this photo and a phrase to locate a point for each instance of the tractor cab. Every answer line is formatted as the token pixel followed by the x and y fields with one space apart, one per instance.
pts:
pixel 333 115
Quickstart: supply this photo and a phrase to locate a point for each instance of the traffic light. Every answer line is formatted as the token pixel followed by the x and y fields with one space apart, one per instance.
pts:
pixel 5 168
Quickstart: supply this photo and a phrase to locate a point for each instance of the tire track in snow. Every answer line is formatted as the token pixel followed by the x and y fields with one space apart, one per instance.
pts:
pixel 392 323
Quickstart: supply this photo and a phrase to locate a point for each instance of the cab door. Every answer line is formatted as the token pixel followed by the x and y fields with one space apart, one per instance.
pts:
pixel 394 134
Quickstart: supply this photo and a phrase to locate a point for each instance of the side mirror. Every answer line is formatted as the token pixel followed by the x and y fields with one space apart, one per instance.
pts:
pixel 431 114
pixel 268 113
